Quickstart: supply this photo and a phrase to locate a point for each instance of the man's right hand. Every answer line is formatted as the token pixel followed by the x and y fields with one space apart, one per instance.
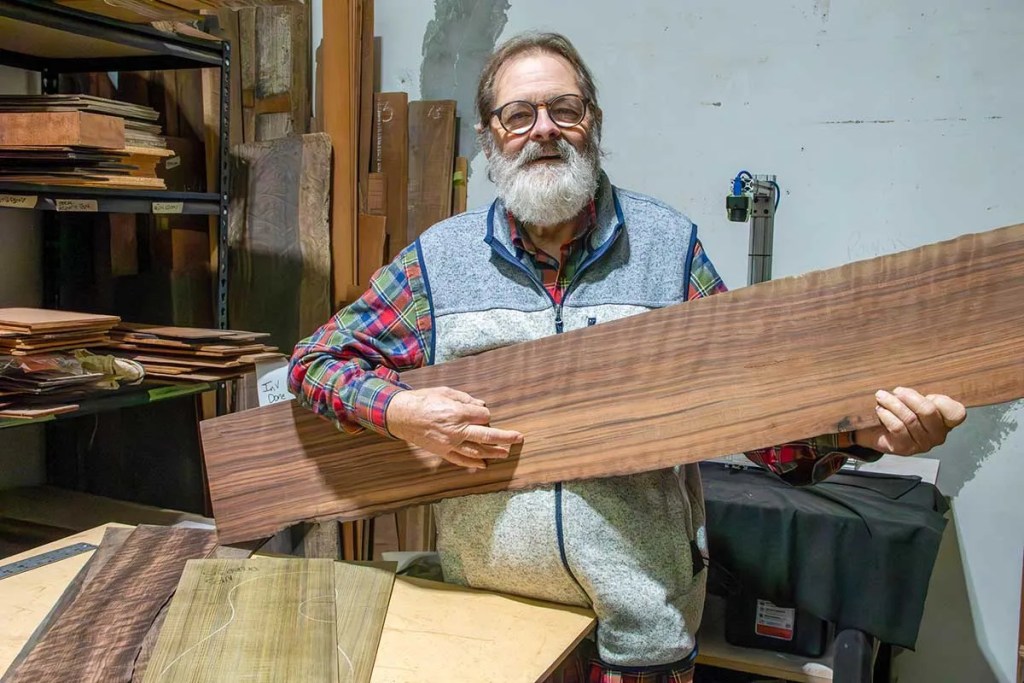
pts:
pixel 448 423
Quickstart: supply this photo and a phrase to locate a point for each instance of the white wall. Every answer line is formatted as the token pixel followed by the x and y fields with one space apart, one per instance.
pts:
pixel 889 125
pixel 21 453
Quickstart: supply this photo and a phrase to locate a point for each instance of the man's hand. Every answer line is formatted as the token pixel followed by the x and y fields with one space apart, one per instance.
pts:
pixel 448 423
pixel 910 423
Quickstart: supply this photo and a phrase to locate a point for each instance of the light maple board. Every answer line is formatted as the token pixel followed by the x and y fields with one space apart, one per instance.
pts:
pixel 782 360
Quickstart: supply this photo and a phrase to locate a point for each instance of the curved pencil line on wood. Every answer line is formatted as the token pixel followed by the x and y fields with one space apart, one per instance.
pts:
pixel 231 604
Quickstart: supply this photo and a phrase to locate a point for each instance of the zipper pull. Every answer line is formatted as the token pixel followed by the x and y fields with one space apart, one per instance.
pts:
pixel 558 319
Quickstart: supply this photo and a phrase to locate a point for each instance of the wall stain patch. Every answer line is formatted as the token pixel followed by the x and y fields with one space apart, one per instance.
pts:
pixel 975 441
pixel 456 45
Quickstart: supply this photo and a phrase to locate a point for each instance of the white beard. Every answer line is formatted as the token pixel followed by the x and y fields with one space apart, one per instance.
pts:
pixel 549 192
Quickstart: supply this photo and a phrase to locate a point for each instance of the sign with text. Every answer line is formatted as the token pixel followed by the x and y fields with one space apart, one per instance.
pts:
pixel 272 381
pixel 89 205
pixel 168 207
pixel 17 201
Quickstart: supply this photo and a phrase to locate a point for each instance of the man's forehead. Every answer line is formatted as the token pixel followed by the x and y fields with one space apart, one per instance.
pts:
pixel 536 77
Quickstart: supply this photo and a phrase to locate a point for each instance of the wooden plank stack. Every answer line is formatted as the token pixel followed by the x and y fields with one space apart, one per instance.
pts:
pixel 36 378
pixel 80 140
pixel 190 354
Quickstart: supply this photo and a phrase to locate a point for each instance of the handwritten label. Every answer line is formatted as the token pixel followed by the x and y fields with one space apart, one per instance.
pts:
pixel 272 382
pixel 168 207
pixel 80 205
pixel 172 163
pixel 17 201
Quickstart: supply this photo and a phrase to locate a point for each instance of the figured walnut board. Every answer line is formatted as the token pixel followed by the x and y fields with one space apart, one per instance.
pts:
pixel 98 635
pixel 262 619
pixel 782 360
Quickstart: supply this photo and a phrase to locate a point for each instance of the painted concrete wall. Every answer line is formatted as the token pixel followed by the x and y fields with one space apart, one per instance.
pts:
pixel 21 452
pixel 889 125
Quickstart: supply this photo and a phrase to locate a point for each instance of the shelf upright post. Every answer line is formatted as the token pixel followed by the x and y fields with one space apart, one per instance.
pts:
pixel 225 186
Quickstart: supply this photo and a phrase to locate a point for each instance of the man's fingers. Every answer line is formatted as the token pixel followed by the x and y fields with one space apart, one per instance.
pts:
pixel 953 412
pixel 907 418
pixel 461 460
pixel 897 430
pixel 474 414
pixel 461 396
pixel 927 414
pixel 492 435
pixel 481 450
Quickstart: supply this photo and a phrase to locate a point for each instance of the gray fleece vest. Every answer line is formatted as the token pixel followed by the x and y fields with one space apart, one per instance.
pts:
pixel 619 545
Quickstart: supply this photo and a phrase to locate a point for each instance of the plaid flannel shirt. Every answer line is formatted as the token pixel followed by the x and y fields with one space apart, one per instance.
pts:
pixel 348 370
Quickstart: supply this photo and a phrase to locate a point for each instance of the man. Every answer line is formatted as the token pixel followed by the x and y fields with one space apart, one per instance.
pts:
pixel 559 250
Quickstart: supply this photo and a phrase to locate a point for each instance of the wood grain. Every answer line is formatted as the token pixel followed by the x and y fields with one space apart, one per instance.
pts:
pixel 362 593
pixel 433 629
pixel 366 113
pixel 279 237
pixel 340 121
pixel 391 157
pixel 98 636
pixel 782 360
pixel 431 159
pixel 30 596
pixel 61 129
pixel 460 185
pixel 113 539
pixel 257 619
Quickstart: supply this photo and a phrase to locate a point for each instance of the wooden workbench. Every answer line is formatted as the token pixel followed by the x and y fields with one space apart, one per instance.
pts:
pixel 426 632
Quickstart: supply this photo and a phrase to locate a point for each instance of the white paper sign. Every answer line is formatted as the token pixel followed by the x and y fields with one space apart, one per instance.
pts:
pixel 17 201
pixel 168 207
pixel 272 382
pixel 88 205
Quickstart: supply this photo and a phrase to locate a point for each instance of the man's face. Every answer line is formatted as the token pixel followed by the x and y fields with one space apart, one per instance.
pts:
pixel 536 78
pixel 547 174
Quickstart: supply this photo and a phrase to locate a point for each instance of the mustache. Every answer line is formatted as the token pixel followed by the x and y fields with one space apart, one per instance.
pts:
pixel 534 150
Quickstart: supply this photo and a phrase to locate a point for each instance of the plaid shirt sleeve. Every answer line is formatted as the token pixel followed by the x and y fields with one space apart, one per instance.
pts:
pixel 799 462
pixel 347 370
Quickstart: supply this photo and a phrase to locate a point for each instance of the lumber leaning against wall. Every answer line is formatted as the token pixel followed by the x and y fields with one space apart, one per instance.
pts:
pixel 791 358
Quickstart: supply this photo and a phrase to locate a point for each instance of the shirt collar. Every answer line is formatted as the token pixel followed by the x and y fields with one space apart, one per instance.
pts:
pixel 584 226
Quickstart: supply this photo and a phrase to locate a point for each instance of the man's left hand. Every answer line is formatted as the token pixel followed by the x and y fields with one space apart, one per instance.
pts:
pixel 910 423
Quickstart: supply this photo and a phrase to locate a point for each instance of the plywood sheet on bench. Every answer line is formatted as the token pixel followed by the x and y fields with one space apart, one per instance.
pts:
pixel 790 359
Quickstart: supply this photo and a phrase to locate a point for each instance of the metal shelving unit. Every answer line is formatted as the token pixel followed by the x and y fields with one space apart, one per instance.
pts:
pixel 43 36
pixel 51 39
pixel 126 397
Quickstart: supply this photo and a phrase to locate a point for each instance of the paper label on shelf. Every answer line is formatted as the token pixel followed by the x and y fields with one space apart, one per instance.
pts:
pixel 79 205
pixel 168 207
pixel 773 621
pixel 17 201
pixel 172 163
pixel 272 382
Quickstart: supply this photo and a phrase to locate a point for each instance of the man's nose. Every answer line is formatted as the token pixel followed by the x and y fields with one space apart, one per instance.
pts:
pixel 544 129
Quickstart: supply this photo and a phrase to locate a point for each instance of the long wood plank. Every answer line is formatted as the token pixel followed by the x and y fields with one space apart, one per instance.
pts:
pixel 340 121
pixel 98 636
pixel 782 360
pixel 391 157
pixel 431 160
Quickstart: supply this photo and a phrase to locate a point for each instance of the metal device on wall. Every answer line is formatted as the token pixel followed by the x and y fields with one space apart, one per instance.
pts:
pixel 755 199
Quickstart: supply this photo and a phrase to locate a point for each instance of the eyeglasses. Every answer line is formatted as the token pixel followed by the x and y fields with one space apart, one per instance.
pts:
pixel 520 116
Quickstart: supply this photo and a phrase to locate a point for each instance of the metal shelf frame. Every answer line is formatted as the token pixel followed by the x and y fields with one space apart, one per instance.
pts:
pixel 161 51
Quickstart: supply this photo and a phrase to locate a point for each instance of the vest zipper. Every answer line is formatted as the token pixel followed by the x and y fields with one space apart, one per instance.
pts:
pixel 558 318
